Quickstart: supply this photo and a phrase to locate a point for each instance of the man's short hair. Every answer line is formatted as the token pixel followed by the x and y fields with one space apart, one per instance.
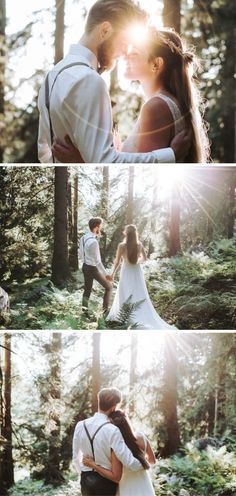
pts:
pixel 117 12
pixel 94 222
pixel 108 397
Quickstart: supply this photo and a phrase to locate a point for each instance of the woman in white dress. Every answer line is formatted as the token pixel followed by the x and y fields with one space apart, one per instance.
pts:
pixel 165 69
pixel 130 483
pixel 132 284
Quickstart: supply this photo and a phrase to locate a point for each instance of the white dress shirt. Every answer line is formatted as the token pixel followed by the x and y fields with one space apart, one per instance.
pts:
pixel 80 106
pixel 90 252
pixel 109 437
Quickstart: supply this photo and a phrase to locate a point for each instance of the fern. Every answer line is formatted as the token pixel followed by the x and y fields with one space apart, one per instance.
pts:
pixel 124 317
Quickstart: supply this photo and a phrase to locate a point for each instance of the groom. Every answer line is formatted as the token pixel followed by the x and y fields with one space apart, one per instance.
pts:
pixel 92 264
pixel 74 98
pixel 96 437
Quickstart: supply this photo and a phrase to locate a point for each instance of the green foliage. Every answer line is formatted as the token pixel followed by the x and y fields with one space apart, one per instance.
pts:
pixel 197 290
pixel 34 488
pixel 125 316
pixel 207 473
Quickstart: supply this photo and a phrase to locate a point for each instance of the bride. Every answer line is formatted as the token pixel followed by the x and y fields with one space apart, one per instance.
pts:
pixel 132 283
pixel 131 483
pixel 165 70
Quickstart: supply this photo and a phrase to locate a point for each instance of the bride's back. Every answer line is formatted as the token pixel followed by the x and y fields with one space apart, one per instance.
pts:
pixel 131 257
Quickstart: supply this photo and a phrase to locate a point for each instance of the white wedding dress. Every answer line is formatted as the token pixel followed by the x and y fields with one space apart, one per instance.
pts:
pixel 130 144
pixel 136 483
pixel 132 284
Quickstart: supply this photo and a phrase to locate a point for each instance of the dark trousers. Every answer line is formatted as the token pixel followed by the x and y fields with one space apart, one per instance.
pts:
pixel 101 486
pixel 91 273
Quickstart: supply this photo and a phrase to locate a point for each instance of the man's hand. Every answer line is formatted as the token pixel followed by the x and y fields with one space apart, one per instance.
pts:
pixel 109 278
pixel 66 152
pixel 181 144
pixel 88 461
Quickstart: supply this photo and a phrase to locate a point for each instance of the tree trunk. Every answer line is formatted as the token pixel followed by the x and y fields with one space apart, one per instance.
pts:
pixel 169 400
pixel 59 31
pixel 172 14
pixel 232 205
pixel 133 373
pixel 53 474
pixel 3 489
pixel 60 261
pixel 69 207
pixel 130 208
pixel 104 208
pixel 220 415
pixel 153 217
pixel 74 263
pixel 96 371
pixel 229 109
pixel 2 73
pixel 175 245
pixel 8 467
pixel 211 414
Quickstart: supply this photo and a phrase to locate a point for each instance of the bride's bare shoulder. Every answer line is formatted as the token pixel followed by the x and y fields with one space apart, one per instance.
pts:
pixel 122 245
pixel 156 109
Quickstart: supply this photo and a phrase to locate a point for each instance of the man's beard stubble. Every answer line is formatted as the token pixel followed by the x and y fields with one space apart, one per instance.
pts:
pixel 106 62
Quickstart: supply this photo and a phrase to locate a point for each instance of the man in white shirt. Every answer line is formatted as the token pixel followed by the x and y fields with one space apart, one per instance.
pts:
pixel 96 437
pixel 74 99
pixel 92 264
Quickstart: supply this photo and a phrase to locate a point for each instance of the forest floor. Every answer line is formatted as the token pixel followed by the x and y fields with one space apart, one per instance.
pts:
pixel 209 472
pixel 192 291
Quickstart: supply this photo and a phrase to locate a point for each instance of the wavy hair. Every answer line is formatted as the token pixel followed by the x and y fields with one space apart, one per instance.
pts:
pixel 121 421
pixel 179 78
pixel 131 238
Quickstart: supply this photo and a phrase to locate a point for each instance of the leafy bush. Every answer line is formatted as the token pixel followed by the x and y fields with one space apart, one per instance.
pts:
pixel 206 473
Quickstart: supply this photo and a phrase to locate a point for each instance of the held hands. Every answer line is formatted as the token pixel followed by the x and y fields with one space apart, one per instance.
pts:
pixel 88 461
pixel 66 153
pixel 181 145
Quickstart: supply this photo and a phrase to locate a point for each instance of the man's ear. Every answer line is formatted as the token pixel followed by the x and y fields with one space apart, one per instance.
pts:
pixel 105 30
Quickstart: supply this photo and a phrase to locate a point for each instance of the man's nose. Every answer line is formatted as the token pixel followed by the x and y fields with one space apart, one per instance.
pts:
pixel 124 49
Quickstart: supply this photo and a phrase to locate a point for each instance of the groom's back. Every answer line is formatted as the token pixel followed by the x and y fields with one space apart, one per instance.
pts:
pixel 102 440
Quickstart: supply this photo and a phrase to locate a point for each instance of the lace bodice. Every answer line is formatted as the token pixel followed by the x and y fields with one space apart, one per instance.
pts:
pixel 130 145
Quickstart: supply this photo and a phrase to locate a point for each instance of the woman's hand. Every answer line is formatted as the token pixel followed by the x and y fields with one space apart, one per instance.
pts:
pixel 88 461
pixel 66 153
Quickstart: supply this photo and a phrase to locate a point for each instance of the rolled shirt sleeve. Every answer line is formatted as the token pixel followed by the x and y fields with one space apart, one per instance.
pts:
pixel 123 453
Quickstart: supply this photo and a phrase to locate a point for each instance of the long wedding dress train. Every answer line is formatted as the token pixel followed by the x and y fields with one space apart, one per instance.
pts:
pixel 132 284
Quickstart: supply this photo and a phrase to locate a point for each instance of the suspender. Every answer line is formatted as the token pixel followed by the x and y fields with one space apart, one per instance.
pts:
pixel 91 439
pixel 84 242
pixel 48 93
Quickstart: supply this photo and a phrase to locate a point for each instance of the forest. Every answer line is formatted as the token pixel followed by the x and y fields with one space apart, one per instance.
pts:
pixel 177 389
pixel 186 221
pixel 32 40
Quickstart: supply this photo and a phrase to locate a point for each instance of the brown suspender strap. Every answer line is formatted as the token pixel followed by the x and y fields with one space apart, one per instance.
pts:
pixel 48 93
pixel 84 243
pixel 91 438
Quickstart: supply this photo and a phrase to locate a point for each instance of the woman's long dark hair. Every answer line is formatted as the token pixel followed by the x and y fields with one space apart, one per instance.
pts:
pixel 178 79
pixel 119 419
pixel 131 237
